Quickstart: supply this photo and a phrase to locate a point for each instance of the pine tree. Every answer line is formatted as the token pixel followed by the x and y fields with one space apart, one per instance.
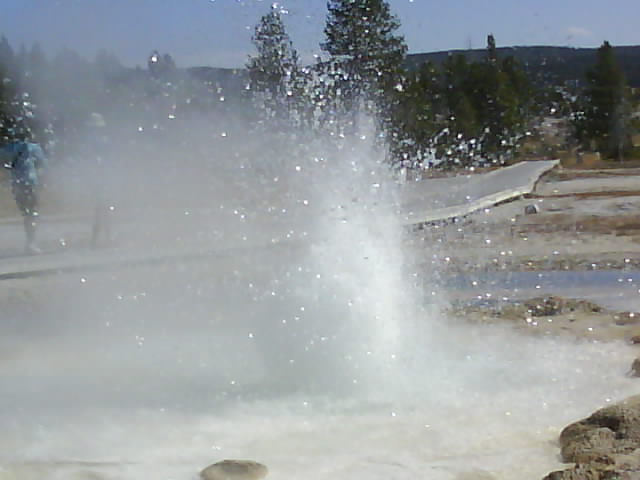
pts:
pixel 498 93
pixel 161 67
pixel 107 64
pixel 7 57
pixel 7 65
pixel 6 105
pixel 362 41
pixel 518 82
pixel 17 116
pixel 34 71
pixel 492 51
pixel 415 120
pixel 607 106
pixel 274 73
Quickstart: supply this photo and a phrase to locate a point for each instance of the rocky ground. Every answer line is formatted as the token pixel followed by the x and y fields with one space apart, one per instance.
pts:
pixel 583 220
pixel 557 316
pixel 606 445
pixel 575 221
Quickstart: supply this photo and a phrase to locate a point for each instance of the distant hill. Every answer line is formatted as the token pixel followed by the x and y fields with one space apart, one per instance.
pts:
pixel 548 64
pixel 545 65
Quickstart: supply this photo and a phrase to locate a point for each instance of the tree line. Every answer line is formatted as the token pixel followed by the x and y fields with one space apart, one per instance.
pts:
pixel 459 113
pixel 603 113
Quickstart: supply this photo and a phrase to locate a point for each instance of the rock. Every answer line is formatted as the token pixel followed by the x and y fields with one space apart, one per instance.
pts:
pixel 545 306
pixel 585 445
pixel 87 475
pixel 551 305
pixel 604 446
pixel 234 470
pixel 629 461
pixel 579 472
pixel 635 368
pixel 474 475
pixel 587 436
pixel 627 318
pixel 531 209
pixel 593 472
pixel 618 467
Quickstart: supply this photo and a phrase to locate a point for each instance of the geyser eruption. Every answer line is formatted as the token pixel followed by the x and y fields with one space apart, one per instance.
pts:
pixel 299 336
pixel 364 277
pixel 339 302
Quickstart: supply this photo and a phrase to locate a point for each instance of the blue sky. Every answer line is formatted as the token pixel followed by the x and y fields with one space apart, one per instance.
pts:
pixel 218 32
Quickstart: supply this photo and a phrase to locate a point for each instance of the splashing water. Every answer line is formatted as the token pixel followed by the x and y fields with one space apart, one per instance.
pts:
pixel 309 347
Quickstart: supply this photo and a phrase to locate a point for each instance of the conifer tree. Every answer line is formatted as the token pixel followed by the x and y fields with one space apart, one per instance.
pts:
pixel 368 54
pixel 6 105
pixel 492 51
pixel 606 104
pixel 414 124
pixel 7 57
pixel 16 107
pixel 274 72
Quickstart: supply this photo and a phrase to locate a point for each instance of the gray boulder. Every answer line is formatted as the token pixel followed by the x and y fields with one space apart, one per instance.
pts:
pixel 622 420
pixel 595 472
pixel 552 305
pixel 604 446
pixel 585 445
pixel 234 470
pixel 627 318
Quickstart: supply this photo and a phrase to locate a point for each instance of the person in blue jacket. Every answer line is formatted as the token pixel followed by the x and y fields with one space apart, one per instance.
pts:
pixel 25 160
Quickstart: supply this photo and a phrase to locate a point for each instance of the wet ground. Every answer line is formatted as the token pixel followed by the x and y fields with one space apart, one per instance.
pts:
pixel 332 360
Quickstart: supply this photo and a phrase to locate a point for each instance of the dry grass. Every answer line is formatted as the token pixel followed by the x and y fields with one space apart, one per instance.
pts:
pixel 587 195
pixel 596 224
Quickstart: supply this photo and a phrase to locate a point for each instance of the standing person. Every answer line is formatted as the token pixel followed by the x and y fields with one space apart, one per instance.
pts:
pixel 101 225
pixel 26 160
